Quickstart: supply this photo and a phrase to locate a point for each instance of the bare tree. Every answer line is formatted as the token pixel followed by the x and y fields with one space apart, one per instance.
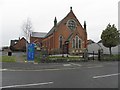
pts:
pixel 27 29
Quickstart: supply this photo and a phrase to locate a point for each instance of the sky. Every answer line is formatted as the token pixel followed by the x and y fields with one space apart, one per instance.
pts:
pixel 13 13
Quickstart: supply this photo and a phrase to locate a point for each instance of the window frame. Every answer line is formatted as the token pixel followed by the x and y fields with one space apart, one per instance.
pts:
pixel 78 42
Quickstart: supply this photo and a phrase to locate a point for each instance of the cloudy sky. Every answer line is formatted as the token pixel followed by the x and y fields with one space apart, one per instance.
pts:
pixel 13 13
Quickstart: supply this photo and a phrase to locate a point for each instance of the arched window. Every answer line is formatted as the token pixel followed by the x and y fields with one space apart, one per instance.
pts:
pixel 79 43
pixel 73 43
pixel 60 41
pixel 77 38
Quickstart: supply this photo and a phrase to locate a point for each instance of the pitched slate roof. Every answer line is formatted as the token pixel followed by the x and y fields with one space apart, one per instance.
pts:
pixel 38 34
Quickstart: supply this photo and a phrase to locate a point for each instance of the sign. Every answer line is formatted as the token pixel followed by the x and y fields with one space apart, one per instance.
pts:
pixel 31 52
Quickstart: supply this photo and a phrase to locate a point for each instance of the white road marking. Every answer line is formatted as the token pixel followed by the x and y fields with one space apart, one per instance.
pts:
pixel 76 64
pixel 35 84
pixel 3 69
pixel 66 64
pixel 95 66
pixel 102 76
pixel 20 70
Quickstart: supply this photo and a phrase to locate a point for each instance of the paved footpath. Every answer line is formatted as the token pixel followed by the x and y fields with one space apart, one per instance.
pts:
pixel 34 66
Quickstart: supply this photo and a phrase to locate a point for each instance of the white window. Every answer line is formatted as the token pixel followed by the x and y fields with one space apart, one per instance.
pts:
pixel 76 43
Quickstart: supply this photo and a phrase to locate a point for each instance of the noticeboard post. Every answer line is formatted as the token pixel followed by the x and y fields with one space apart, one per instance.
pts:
pixel 31 52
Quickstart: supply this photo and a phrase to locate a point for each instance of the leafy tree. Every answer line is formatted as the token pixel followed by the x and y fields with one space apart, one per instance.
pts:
pixel 110 37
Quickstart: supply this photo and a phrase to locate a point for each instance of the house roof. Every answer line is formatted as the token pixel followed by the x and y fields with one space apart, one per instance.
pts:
pixel 90 41
pixel 20 41
pixel 38 34
pixel 100 41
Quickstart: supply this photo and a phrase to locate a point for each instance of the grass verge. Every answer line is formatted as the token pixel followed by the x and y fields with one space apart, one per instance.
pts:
pixel 7 59
pixel 111 58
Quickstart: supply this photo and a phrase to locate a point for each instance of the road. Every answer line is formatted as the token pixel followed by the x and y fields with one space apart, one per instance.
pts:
pixel 68 75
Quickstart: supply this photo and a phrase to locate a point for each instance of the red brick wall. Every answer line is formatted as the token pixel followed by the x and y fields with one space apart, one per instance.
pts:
pixel 21 45
pixel 36 40
pixel 52 42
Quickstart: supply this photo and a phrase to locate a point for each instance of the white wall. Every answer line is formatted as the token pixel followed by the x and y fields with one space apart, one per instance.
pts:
pixel 95 47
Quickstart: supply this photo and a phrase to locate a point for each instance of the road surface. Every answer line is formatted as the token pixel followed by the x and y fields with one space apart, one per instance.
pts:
pixel 68 75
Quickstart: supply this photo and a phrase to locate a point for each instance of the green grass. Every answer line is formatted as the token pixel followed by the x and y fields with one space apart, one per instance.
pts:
pixel 111 58
pixel 7 59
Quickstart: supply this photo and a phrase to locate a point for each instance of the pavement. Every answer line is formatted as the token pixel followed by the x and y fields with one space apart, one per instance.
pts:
pixel 40 66
pixel 21 65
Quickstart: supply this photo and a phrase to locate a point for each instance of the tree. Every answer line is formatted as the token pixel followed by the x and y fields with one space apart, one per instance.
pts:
pixel 110 37
pixel 27 29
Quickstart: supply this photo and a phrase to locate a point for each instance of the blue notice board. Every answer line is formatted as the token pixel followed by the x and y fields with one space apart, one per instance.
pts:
pixel 31 52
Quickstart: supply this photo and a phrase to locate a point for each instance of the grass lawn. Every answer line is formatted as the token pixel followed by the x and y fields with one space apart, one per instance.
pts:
pixel 7 59
pixel 111 58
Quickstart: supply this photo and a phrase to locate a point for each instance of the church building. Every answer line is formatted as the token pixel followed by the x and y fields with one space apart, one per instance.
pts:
pixel 66 36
